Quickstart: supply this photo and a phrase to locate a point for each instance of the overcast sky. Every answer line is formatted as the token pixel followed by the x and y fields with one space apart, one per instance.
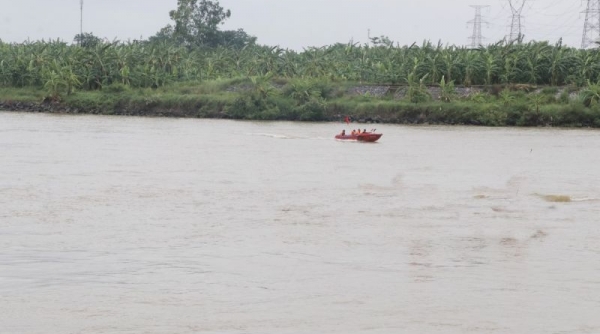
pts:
pixel 299 23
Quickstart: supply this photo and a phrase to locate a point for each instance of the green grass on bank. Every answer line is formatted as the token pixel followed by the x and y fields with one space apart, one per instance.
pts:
pixel 302 100
pixel 142 102
pixel 573 114
pixel 26 94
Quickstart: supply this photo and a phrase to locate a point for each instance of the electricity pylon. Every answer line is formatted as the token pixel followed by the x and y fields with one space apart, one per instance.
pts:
pixel 516 7
pixel 477 38
pixel 591 28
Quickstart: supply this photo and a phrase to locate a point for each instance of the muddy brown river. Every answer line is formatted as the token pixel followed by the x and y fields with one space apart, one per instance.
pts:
pixel 155 225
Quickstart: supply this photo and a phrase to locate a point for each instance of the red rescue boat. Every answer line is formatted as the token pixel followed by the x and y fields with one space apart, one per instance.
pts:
pixel 368 137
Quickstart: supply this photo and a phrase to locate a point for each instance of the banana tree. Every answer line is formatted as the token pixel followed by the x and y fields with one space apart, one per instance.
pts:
pixel 472 67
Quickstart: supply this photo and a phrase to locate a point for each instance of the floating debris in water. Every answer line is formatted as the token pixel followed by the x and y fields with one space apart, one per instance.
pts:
pixel 539 234
pixel 555 198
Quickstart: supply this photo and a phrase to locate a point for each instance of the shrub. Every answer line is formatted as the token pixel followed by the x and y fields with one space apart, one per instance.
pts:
pixel 590 96
pixel 313 110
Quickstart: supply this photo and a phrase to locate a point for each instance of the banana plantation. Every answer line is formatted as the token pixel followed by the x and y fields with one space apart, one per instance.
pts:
pixel 61 68
pixel 524 84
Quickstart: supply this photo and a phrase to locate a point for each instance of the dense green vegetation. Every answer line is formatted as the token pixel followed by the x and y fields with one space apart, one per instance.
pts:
pixel 193 66
pixel 63 68
pixel 308 100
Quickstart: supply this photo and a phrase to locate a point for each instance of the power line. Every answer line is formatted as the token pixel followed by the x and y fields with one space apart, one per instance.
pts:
pixel 500 13
pixel 543 21
pixel 591 28
pixel 549 6
pixel 570 22
pixel 477 38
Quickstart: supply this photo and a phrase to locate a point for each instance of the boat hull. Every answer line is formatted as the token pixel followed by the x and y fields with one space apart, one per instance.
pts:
pixel 363 137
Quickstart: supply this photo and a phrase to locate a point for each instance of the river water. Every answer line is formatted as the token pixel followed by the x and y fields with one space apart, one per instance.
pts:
pixel 154 225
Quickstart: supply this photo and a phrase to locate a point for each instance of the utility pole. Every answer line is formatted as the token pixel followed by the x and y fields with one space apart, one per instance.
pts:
pixel 81 21
pixel 477 38
pixel 516 7
pixel 591 28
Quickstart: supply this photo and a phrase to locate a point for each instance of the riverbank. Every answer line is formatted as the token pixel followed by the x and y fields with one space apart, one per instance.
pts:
pixel 298 100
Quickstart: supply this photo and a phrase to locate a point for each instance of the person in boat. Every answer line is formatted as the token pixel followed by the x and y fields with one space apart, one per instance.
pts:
pixel 353 132
pixel 344 132
pixel 364 130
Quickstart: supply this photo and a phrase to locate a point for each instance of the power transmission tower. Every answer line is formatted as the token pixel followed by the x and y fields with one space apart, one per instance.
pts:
pixel 591 28
pixel 477 38
pixel 516 7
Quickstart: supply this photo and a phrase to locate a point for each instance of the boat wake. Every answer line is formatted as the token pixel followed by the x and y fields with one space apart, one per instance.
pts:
pixel 280 136
pixel 274 135
pixel 585 199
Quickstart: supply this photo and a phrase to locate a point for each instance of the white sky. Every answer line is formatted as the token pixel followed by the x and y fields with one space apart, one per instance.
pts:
pixel 299 23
